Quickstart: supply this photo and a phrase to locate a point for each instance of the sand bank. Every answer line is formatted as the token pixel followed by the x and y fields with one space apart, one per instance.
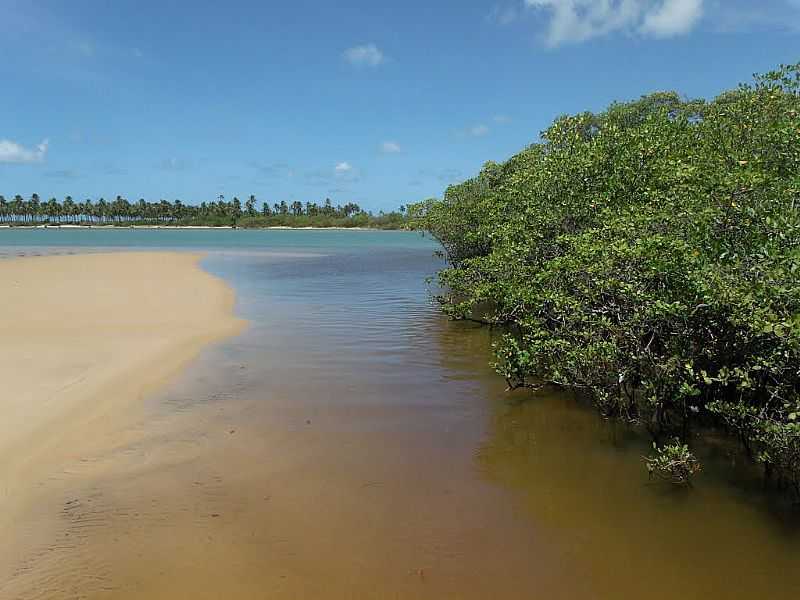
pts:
pixel 82 340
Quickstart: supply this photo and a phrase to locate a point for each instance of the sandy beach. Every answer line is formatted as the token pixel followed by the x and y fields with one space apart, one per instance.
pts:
pixel 82 340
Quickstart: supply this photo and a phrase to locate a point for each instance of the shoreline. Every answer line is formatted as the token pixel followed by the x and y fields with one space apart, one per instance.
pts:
pixel 202 227
pixel 85 339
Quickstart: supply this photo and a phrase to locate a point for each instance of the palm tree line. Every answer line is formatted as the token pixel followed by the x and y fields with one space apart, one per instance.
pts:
pixel 34 211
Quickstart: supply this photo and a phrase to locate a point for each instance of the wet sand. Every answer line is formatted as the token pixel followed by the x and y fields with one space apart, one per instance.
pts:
pixel 82 340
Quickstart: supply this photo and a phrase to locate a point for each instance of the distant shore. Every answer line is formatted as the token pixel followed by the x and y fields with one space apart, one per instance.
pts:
pixel 272 227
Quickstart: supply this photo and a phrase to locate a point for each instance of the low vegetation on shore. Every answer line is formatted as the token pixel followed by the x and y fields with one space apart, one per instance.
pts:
pixel 220 213
pixel 648 256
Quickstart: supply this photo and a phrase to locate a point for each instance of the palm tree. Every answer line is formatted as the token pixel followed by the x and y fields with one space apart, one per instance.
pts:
pixel 102 209
pixel 52 210
pixel 88 210
pixel 18 207
pixel 69 209
pixel 34 207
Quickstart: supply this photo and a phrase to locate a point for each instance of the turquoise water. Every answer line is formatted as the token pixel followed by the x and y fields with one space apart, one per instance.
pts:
pixel 207 239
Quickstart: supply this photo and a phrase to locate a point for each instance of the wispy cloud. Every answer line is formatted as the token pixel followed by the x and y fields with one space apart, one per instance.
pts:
pixel 479 130
pixel 85 48
pixel 485 127
pixel 367 55
pixel 62 174
pixel 726 16
pixel 318 177
pixel 274 170
pixel 111 170
pixel 389 147
pixel 173 164
pixel 572 21
pixel 14 153
pixel 342 173
pixel 445 176
pixel 503 14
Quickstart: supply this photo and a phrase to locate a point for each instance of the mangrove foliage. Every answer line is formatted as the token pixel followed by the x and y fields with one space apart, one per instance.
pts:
pixel 649 256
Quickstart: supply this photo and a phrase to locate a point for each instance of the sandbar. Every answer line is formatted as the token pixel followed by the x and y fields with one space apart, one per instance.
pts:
pixel 83 340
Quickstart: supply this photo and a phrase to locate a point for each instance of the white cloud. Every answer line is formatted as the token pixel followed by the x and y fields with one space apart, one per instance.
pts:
pixel 479 130
pixel 368 55
pixel 501 119
pixel 389 147
pixel 581 20
pixel 674 17
pixel 12 152
pixel 343 167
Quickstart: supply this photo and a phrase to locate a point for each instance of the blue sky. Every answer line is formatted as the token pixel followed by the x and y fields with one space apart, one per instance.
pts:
pixel 374 102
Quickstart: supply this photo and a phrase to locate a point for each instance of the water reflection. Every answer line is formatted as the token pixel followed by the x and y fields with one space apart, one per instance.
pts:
pixel 582 479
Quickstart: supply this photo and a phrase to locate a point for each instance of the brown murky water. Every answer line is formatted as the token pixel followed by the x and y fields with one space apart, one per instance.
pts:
pixel 354 444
